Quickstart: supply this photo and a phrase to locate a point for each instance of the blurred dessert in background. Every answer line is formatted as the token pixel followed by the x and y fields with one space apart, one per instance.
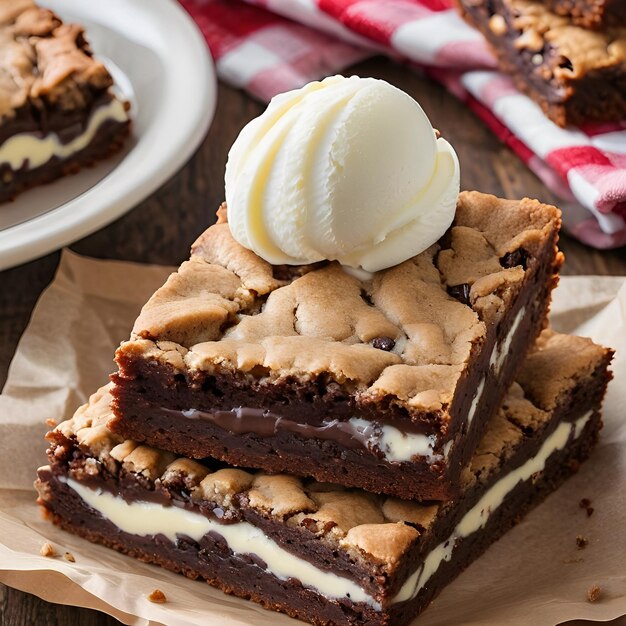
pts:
pixel 58 111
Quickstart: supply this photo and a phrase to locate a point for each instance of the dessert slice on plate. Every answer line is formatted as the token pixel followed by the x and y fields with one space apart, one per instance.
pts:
pixel 57 109
pixel 319 551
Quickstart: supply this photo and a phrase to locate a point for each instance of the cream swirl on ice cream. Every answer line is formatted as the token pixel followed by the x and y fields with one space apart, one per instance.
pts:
pixel 346 169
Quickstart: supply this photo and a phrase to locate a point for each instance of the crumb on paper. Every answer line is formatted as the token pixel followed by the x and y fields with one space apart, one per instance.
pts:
pixel 157 596
pixel 585 503
pixel 68 556
pixel 47 549
pixel 51 422
pixel 593 593
pixel 581 542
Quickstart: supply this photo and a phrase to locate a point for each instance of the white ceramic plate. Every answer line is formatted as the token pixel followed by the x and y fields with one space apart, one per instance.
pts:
pixel 160 62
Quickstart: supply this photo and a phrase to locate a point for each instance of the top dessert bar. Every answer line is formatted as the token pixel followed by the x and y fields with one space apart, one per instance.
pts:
pixel 595 14
pixel 574 74
pixel 51 87
pixel 317 551
pixel 383 381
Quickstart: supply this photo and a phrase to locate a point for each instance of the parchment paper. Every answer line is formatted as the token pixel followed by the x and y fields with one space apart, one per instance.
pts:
pixel 533 575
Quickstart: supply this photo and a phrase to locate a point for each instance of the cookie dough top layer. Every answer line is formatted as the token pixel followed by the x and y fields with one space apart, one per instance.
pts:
pixel 377 528
pixel 396 332
pixel 44 60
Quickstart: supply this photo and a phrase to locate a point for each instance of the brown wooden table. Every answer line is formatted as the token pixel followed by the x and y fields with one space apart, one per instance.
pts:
pixel 161 229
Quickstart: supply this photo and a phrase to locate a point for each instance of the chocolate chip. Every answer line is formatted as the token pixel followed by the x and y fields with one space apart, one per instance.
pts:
pixel 515 258
pixel 328 526
pixel 383 343
pixel 566 64
pixel 366 298
pixel 460 292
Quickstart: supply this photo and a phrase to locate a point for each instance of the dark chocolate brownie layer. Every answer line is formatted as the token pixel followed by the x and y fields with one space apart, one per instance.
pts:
pixel 374 547
pixel 226 335
pixel 595 14
pixel 575 75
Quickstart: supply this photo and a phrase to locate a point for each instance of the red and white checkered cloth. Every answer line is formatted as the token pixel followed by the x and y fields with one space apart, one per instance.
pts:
pixel 283 44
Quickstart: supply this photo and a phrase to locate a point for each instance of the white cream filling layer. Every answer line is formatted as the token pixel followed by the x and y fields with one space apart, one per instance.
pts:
pixel 479 514
pixel 476 400
pixel 149 518
pixel 39 150
pixel 397 446
pixel 501 351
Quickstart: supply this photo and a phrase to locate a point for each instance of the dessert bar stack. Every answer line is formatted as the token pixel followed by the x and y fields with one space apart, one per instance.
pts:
pixel 57 108
pixel 348 391
pixel 334 444
pixel 567 55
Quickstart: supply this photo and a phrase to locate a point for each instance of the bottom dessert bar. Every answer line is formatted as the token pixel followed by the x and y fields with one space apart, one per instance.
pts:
pixel 317 551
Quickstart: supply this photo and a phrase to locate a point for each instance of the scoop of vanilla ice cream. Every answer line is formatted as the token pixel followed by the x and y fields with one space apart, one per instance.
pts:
pixel 346 169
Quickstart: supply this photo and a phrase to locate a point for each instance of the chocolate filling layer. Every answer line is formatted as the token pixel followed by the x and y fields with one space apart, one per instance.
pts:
pixel 265 423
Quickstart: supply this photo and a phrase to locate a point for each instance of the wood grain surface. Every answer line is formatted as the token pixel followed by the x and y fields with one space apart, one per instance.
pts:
pixel 161 229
